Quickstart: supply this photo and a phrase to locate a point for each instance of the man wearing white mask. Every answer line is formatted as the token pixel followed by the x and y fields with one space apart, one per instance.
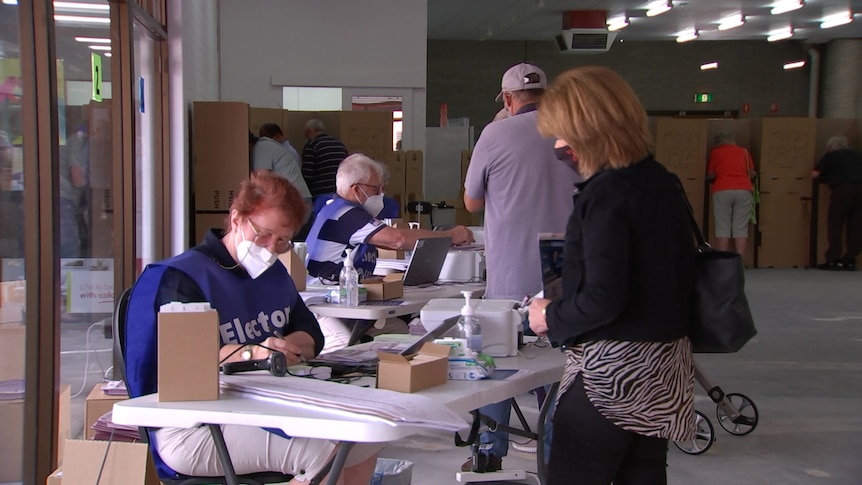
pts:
pixel 350 221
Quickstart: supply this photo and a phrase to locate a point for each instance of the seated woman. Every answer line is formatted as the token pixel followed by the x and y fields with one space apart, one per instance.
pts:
pixel 237 272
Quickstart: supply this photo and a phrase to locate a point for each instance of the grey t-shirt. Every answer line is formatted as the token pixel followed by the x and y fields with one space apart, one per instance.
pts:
pixel 268 154
pixel 527 191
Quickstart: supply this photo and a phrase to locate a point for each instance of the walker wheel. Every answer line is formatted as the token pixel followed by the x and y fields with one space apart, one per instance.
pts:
pixel 747 419
pixel 703 437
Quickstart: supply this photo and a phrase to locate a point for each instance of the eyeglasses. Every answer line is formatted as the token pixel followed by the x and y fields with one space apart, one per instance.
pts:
pixel 378 189
pixel 282 245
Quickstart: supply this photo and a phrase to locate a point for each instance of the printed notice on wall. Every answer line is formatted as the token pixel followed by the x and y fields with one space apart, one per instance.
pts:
pixel 89 285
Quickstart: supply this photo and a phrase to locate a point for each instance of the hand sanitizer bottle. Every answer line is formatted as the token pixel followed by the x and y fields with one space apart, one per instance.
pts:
pixel 348 282
pixel 468 325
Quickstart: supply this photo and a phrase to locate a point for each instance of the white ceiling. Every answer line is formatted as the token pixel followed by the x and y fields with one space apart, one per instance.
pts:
pixel 541 19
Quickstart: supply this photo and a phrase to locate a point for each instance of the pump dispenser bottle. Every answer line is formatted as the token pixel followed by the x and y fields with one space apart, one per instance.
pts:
pixel 468 325
pixel 348 282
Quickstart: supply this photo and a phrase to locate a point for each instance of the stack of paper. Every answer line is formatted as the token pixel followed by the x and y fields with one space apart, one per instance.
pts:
pixel 104 426
pixel 392 264
pixel 114 388
pixel 12 390
pixel 398 407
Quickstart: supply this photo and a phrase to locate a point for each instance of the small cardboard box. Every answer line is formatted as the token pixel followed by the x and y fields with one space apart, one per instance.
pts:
pixel 12 350
pixel 97 404
pixel 56 478
pixel 295 268
pixel 64 420
pixel 125 463
pixel 11 440
pixel 428 368
pixel 386 288
pixel 390 254
pixel 188 352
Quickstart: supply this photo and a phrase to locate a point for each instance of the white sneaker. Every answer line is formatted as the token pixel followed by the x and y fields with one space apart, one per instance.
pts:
pixel 526 447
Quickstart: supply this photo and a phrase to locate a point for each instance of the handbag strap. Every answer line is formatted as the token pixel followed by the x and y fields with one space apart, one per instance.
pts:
pixel 695 228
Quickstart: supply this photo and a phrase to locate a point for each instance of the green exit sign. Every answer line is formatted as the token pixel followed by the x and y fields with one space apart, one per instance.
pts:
pixel 703 97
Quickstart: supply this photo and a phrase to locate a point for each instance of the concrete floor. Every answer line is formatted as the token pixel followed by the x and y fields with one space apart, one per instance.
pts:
pixel 803 371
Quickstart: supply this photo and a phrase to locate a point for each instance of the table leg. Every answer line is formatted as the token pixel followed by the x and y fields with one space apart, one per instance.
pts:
pixel 221 448
pixel 359 328
pixel 338 463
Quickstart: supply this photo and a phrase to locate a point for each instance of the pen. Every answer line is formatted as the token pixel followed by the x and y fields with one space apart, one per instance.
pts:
pixel 279 335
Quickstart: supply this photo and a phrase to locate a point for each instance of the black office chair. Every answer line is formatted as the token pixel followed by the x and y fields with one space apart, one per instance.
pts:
pixel 119 334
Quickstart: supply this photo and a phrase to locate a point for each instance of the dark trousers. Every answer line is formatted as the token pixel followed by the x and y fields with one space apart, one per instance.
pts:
pixel 845 208
pixel 588 449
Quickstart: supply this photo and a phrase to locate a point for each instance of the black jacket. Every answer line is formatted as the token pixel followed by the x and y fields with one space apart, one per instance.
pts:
pixel 628 263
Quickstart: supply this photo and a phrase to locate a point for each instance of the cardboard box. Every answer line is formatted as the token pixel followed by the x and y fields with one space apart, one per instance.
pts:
pixel 64 419
pixel 259 116
pixel 397 174
pixel 783 225
pixel 368 132
pixel 219 152
pixel 413 175
pixel 386 288
pixel 188 352
pixel 56 478
pixel 124 464
pixel 97 404
pixel 13 292
pixel 12 337
pixel 786 147
pixel 11 440
pixel 204 221
pixel 428 368
pixel 295 268
pixel 681 146
pixel 390 254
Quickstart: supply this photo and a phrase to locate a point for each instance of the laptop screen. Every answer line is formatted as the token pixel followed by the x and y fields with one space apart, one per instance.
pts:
pixel 427 260
pixel 551 255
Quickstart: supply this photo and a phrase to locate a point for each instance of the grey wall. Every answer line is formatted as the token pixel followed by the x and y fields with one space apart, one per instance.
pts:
pixel 666 75
pixel 841 79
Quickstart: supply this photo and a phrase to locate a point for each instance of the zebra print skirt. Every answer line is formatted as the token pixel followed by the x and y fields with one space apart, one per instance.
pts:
pixel 643 387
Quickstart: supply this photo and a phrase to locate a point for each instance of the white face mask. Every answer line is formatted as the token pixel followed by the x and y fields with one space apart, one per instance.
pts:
pixel 373 204
pixel 253 258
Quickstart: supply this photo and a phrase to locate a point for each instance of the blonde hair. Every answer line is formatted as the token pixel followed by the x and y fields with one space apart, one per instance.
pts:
pixel 596 112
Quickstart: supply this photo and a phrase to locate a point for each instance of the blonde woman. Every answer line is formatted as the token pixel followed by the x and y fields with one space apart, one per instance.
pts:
pixel 628 273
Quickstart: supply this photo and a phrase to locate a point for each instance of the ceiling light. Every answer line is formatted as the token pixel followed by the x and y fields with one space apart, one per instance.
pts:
pixel 731 22
pixel 658 8
pixel 108 54
pixel 686 35
pixel 10 2
pixel 785 6
pixel 836 20
pixel 794 65
pixel 93 40
pixel 618 23
pixel 100 47
pixel 81 6
pixel 82 19
pixel 708 66
pixel 780 34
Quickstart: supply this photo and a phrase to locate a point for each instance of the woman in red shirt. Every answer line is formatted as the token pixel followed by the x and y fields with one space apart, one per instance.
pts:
pixel 730 170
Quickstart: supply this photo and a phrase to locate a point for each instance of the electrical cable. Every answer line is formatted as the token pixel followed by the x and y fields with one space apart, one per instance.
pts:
pixel 87 361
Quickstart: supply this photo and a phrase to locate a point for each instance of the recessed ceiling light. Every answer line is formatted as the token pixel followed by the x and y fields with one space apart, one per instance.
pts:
pixel 93 40
pixel 82 6
pixel 686 35
pixel 618 23
pixel 658 8
pixel 10 2
pixel 82 19
pixel 708 66
pixel 780 34
pixel 785 6
pixel 794 65
pixel 108 54
pixel 731 22
pixel 100 47
pixel 836 20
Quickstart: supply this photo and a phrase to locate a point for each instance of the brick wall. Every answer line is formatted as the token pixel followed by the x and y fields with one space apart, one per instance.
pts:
pixel 665 75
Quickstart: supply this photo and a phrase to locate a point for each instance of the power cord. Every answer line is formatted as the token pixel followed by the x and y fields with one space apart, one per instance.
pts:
pixel 87 360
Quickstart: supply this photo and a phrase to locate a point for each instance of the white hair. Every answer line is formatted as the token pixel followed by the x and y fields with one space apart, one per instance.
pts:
pixel 837 142
pixel 315 125
pixel 357 169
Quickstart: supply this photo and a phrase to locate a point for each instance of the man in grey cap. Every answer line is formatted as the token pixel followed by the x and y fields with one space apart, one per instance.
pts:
pixel 510 165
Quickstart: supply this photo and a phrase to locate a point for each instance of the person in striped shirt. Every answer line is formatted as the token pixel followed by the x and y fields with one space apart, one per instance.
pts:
pixel 321 157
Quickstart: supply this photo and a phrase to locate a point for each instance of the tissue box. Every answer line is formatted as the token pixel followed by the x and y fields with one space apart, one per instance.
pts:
pixel 499 319
pixel 428 368
pixel 386 288
pixel 464 369
pixel 188 352
pixel 295 268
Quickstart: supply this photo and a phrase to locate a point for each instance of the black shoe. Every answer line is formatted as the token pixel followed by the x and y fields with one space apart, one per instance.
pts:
pixel 848 263
pixel 485 464
pixel 831 266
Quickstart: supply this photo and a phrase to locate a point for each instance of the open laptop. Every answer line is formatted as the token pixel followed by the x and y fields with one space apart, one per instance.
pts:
pixel 357 359
pixel 551 255
pixel 427 260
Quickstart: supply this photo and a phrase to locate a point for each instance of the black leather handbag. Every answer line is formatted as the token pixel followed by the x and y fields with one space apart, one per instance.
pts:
pixel 722 319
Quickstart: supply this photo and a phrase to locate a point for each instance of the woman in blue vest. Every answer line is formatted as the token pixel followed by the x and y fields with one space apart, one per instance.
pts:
pixel 258 307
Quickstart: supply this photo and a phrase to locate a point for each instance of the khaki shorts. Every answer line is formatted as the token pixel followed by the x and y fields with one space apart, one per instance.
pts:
pixel 252 449
pixel 732 210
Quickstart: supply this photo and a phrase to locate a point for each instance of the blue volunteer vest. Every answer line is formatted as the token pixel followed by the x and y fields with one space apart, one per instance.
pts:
pixel 249 311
